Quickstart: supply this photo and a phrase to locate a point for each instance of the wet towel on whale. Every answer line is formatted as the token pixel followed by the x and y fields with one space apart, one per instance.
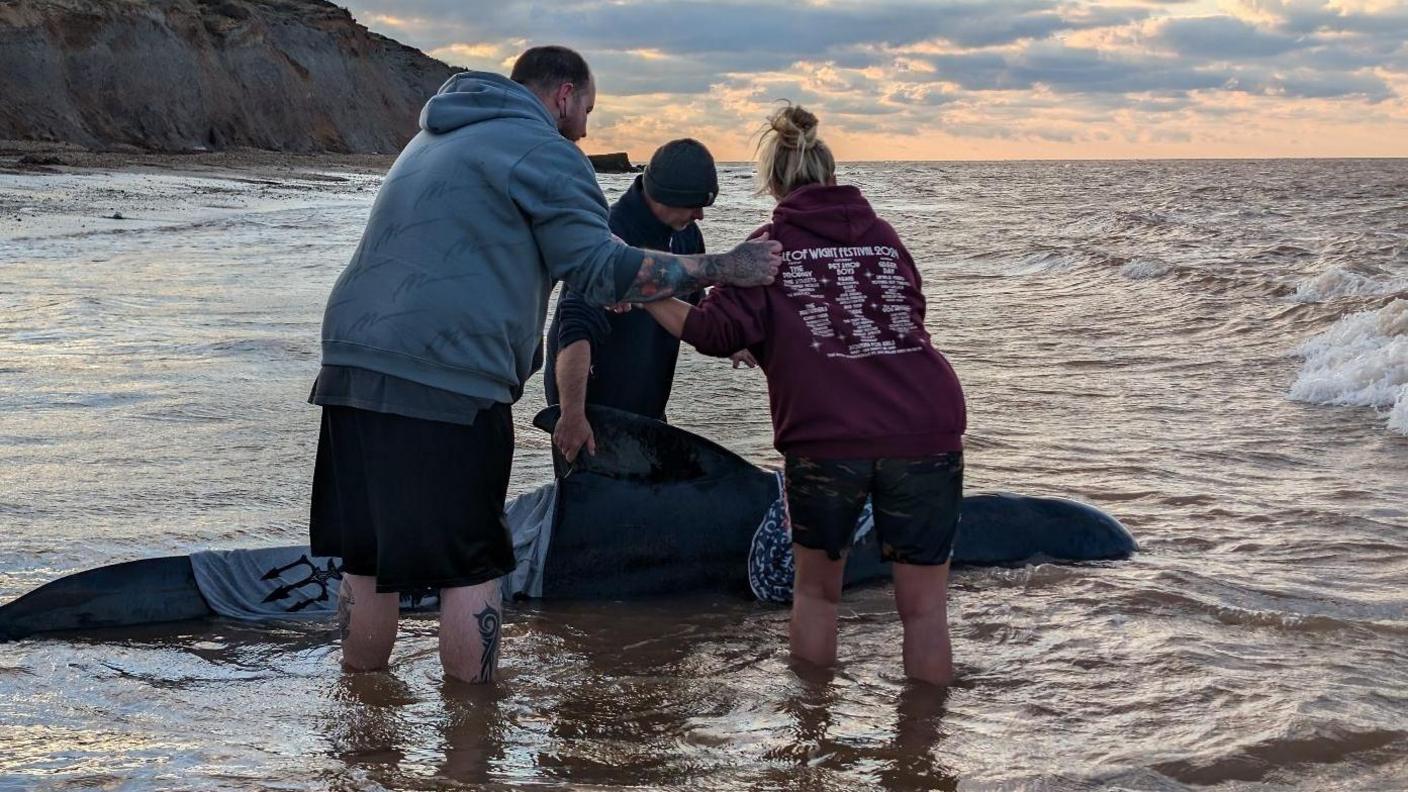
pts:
pixel 291 583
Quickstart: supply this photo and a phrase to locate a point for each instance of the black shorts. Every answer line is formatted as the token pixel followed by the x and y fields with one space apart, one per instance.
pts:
pixel 916 504
pixel 414 503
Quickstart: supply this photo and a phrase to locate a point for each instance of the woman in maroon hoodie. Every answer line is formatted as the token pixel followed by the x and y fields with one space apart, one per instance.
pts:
pixel 863 405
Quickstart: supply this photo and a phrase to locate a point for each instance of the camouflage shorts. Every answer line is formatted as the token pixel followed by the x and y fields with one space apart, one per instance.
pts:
pixel 916 504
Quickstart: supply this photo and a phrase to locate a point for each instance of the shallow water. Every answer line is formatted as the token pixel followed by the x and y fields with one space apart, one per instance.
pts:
pixel 1215 352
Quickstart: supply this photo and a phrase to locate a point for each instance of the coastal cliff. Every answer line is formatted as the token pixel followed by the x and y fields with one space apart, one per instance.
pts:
pixel 192 75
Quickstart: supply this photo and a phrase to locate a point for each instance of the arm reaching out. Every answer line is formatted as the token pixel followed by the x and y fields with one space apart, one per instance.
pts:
pixel 661 275
pixel 573 431
pixel 670 314
pixel 727 321
pixel 581 329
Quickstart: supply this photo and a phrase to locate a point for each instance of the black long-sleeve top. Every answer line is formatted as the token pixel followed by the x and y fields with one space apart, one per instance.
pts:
pixel 633 358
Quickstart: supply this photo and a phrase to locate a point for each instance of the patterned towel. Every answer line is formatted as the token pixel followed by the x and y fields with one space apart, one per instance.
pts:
pixel 771 565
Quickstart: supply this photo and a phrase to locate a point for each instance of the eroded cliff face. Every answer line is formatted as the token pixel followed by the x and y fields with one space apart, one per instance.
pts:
pixel 181 75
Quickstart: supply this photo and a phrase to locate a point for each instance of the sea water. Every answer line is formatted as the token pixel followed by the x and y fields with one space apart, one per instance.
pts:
pixel 1216 352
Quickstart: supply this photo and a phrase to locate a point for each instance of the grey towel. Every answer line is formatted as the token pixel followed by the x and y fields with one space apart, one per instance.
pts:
pixel 291 583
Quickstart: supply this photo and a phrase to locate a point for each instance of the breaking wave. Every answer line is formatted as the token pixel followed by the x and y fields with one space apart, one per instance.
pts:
pixel 1361 361
pixel 1340 282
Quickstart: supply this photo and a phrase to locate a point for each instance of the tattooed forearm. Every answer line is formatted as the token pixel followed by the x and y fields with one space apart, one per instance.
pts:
pixel 749 264
pixel 344 609
pixel 664 275
pixel 489 624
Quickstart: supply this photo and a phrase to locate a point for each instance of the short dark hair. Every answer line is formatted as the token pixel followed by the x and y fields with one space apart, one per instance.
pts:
pixel 545 68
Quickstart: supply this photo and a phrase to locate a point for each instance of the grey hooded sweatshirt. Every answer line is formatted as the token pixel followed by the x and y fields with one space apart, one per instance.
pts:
pixel 485 209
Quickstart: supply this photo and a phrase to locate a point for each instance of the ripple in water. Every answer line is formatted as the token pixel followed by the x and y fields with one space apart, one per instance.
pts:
pixel 1132 346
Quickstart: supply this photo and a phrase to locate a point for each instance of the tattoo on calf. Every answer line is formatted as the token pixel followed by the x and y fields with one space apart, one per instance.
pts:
pixel 344 609
pixel 489 635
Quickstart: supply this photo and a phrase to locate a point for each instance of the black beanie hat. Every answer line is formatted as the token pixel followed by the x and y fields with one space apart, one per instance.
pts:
pixel 681 174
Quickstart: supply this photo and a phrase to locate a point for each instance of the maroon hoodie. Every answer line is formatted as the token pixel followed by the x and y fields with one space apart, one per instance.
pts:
pixel 840 334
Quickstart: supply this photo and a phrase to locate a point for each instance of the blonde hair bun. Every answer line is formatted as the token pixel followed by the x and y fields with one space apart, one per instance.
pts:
pixel 790 155
pixel 795 127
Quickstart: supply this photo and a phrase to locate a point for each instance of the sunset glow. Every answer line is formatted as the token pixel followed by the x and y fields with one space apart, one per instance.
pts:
pixel 964 80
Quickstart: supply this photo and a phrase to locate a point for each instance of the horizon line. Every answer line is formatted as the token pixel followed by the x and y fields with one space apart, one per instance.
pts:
pixel 1388 158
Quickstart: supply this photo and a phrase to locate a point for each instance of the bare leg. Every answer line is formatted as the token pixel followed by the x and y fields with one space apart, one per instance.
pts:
pixel 367 621
pixel 470 621
pixel 816 593
pixel 921 596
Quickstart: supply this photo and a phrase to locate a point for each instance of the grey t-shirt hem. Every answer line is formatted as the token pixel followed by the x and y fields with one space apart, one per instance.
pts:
pixel 364 389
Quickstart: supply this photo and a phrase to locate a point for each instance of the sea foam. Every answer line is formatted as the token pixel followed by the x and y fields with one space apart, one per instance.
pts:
pixel 1337 282
pixel 1144 269
pixel 1362 360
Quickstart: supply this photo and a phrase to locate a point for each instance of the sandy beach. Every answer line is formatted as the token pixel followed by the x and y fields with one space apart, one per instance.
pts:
pixel 142 189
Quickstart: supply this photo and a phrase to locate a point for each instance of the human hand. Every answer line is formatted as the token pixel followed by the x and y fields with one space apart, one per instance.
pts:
pixel 572 432
pixel 752 263
pixel 745 357
pixel 620 308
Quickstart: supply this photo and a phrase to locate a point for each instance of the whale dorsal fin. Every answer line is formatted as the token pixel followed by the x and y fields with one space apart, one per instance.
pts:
pixel 630 446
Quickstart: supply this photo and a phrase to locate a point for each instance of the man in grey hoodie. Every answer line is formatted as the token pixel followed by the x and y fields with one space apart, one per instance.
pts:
pixel 435 325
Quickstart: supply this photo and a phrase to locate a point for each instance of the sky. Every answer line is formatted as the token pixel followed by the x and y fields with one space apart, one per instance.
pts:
pixel 960 79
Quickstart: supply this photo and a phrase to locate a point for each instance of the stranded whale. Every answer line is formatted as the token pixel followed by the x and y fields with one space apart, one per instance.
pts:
pixel 657 511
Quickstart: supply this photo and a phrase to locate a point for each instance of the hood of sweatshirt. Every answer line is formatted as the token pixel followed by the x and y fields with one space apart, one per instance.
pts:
pixel 470 97
pixel 836 213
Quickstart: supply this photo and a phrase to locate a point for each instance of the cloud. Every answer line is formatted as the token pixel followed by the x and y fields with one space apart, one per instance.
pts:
pixel 1390 19
pixel 634 73
pixel 1047 75
pixel 756 30
pixel 1313 85
pixel 926 97
pixel 1072 70
pixel 1225 38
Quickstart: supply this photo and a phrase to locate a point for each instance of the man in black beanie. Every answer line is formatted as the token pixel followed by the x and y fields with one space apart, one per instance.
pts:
pixel 625 360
